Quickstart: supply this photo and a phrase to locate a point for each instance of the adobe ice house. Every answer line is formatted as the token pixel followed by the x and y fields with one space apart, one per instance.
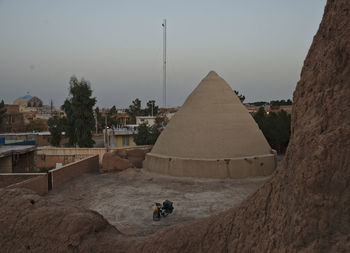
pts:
pixel 212 136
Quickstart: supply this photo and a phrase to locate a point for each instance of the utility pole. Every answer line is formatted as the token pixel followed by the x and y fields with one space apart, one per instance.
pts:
pixel 96 122
pixel 106 133
pixel 164 63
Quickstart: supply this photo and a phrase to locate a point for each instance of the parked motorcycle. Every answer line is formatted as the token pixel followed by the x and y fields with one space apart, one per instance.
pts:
pixel 162 210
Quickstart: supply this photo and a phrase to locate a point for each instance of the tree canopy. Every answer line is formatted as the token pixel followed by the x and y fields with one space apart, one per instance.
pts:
pixel 275 127
pixel 148 135
pixel 259 103
pixel 281 102
pixel 135 109
pixel 112 117
pixel 151 108
pixel 2 111
pixel 240 96
pixel 56 127
pixel 79 110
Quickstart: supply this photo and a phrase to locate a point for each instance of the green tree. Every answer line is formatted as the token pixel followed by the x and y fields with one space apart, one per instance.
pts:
pixel 135 110
pixel 112 117
pixel 260 117
pixel 151 108
pixel 275 127
pixel 240 96
pixel 143 135
pixel 270 130
pixel 113 110
pixel 148 135
pixel 2 111
pixel 56 127
pixel 259 103
pixel 281 102
pixel 157 129
pixel 79 110
pixel 284 131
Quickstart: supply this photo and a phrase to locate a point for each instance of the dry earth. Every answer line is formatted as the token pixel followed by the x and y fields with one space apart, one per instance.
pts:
pixel 303 207
pixel 125 199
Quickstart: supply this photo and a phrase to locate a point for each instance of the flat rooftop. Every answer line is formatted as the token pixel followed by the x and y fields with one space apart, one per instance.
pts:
pixel 25 133
pixel 126 199
pixel 8 150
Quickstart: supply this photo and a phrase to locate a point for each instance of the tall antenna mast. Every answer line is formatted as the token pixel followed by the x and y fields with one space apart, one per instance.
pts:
pixel 164 63
pixel 51 106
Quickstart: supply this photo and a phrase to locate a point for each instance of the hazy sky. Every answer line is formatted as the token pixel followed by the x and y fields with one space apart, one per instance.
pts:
pixel 257 46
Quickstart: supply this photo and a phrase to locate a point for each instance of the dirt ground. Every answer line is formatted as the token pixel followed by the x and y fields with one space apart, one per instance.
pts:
pixel 126 199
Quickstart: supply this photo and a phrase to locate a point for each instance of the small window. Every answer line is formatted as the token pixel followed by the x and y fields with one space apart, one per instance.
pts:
pixel 126 141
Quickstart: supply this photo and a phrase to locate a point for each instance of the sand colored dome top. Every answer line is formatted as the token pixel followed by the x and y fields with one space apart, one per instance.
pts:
pixel 212 124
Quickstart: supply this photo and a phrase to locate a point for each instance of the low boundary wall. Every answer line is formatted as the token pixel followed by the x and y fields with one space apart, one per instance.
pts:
pixel 59 176
pixel 41 183
pixel 38 183
pixel 242 167
pixel 49 156
pixel 7 179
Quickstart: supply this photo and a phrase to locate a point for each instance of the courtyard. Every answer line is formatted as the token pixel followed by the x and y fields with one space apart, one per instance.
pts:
pixel 126 199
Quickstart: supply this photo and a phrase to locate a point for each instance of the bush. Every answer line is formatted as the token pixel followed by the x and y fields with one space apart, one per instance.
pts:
pixel 148 135
pixel 275 127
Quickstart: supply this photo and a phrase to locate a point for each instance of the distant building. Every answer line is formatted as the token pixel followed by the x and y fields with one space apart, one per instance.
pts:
pixel 104 111
pixel 14 120
pixel 168 112
pixel 124 118
pixel 12 109
pixel 29 138
pixel 150 120
pixel 251 108
pixel 45 112
pixel 277 108
pixel 32 108
pixel 28 103
pixel 18 139
pixel 15 159
pixel 119 137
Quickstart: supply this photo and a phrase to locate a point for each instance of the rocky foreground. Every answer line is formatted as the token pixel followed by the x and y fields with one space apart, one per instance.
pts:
pixel 30 223
pixel 303 207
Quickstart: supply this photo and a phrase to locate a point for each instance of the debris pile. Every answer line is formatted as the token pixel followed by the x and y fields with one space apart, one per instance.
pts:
pixel 123 159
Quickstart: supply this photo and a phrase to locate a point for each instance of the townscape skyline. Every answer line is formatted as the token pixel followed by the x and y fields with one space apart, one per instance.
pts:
pixel 257 47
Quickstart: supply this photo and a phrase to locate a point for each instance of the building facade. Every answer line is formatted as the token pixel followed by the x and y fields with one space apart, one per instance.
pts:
pixel 120 137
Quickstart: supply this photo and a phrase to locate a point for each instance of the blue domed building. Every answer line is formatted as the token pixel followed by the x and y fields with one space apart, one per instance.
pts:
pixel 28 101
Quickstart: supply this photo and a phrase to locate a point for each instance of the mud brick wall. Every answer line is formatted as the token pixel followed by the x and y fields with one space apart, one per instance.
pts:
pixel 38 184
pixel 62 175
pixel 7 179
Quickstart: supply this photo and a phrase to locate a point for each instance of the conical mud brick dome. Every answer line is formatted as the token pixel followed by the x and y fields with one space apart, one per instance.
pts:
pixel 212 136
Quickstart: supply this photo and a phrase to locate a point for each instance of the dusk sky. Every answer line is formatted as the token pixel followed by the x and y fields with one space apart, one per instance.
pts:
pixel 257 46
